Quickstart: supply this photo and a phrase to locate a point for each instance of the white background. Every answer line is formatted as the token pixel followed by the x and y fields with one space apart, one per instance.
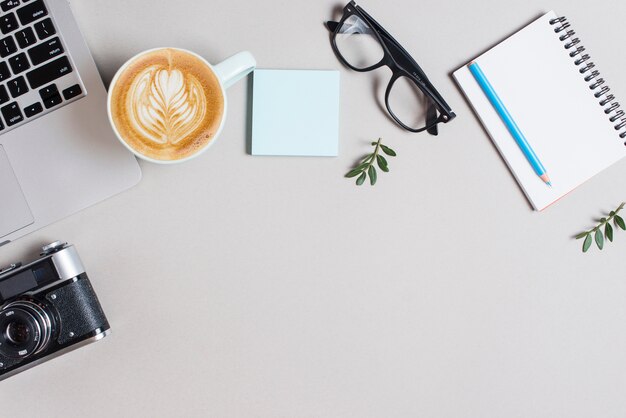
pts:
pixel 242 286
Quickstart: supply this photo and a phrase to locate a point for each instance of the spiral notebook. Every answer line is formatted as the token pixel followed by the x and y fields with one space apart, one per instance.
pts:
pixel 559 100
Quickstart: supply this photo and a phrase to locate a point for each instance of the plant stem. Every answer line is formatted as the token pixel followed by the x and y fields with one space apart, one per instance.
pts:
pixel 604 221
pixel 373 156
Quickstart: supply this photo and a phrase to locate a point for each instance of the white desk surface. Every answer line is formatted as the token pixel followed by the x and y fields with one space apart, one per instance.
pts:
pixel 242 286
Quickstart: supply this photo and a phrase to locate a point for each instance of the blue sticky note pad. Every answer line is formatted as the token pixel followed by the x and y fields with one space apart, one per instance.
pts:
pixel 295 112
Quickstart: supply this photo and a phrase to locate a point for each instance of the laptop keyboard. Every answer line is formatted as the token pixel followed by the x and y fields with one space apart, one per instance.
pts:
pixel 36 72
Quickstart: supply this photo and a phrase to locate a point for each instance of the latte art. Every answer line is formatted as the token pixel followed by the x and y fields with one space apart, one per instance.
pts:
pixel 167 104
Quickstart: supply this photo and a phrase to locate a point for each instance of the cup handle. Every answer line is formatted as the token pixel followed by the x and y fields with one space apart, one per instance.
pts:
pixel 234 68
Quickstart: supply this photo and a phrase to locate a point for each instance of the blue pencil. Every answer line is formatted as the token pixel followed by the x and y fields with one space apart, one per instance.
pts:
pixel 509 122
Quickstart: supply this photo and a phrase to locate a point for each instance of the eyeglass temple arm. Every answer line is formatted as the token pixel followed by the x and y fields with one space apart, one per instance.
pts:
pixel 431 118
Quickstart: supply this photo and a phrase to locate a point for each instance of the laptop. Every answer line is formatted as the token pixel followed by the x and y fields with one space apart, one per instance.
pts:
pixel 58 153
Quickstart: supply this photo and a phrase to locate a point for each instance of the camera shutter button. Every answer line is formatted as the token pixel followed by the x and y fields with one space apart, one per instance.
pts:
pixel 52 247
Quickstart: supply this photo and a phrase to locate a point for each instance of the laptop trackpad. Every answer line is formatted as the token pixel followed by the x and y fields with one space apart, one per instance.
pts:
pixel 14 211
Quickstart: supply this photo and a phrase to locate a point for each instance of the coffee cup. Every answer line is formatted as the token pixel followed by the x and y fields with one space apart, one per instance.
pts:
pixel 168 105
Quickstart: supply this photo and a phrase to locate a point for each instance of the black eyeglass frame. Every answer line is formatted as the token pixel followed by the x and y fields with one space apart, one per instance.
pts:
pixel 401 64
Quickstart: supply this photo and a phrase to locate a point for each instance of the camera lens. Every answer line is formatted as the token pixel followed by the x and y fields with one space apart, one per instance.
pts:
pixel 25 329
pixel 18 332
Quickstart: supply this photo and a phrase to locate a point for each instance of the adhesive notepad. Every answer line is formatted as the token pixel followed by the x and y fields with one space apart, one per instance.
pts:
pixel 295 112
pixel 560 101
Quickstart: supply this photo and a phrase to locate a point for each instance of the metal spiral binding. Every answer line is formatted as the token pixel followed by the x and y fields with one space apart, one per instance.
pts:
pixel 590 75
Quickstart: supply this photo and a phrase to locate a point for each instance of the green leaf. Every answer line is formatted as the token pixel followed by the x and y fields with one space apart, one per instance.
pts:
pixel 587 243
pixel 374 143
pixel 361 179
pixel 372 173
pixel 599 239
pixel 388 150
pixel 381 160
pixel 582 235
pixel 608 231
pixel 354 173
pixel 382 163
pixel 612 213
pixel 620 222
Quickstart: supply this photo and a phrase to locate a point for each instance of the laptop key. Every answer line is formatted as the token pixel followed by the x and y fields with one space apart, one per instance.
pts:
pixel 12 114
pixel 52 101
pixel 8 23
pixel 45 51
pixel 45 28
pixel 9 4
pixel 4 95
pixel 25 37
pixel 19 63
pixel 48 91
pixel 32 12
pixel 73 91
pixel 17 86
pixel 49 72
pixel 4 71
pixel 33 109
pixel 7 46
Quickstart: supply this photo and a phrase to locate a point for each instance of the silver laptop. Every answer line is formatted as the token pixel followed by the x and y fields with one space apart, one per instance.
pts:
pixel 58 154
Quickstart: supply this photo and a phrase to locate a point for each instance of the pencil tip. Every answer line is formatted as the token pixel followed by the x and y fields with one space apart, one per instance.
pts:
pixel 549 184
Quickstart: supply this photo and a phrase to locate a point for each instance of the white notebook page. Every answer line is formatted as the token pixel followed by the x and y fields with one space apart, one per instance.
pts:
pixel 552 104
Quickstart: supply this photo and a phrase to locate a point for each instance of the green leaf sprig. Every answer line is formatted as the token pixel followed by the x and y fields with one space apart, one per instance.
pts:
pixel 595 233
pixel 366 166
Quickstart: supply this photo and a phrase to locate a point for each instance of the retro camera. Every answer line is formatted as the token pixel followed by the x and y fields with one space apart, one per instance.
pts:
pixel 47 308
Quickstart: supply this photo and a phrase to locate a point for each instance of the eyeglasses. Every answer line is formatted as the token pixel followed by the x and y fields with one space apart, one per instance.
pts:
pixel 363 45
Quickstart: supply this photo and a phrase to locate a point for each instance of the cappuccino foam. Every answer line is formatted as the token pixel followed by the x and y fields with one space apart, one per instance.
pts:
pixel 167 104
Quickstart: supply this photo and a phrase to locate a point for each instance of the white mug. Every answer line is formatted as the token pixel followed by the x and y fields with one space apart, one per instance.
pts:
pixel 228 72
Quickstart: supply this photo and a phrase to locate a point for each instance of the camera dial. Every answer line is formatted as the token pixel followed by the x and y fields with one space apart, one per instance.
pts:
pixel 25 329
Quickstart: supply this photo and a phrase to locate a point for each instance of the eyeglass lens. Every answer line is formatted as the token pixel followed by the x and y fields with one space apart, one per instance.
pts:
pixel 357 43
pixel 408 103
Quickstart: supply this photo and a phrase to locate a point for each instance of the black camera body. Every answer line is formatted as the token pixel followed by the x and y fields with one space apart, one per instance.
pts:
pixel 47 308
